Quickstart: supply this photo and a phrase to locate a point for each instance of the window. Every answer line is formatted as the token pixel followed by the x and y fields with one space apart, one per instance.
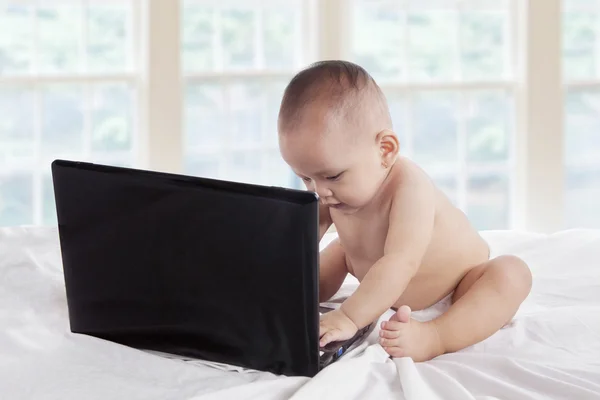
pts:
pixel 581 62
pixel 451 99
pixel 237 58
pixel 67 90
pixel 194 86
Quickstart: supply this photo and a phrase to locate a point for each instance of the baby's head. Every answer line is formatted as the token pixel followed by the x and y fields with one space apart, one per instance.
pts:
pixel 335 132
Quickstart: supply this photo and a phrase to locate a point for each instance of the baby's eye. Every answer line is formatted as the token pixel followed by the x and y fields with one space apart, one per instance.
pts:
pixel 306 179
pixel 334 178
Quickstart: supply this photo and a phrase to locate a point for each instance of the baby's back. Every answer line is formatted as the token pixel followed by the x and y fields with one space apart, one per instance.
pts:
pixel 454 248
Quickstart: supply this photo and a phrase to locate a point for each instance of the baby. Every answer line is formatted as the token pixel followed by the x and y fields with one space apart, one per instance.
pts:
pixel 398 234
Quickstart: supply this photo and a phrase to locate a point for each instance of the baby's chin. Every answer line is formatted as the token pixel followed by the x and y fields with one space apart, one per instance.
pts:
pixel 344 208
pixel 351 206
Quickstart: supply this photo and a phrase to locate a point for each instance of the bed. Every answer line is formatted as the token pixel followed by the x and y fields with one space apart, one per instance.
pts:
pixel 551 349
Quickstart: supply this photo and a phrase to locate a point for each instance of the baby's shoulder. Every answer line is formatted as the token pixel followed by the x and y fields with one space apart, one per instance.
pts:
pixel 406 174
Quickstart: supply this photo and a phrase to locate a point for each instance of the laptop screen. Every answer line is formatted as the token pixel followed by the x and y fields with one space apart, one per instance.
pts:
pixel 219 271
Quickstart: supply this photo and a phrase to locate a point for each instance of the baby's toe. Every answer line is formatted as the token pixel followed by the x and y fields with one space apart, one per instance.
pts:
pixel 402 315
pixel 388 342
pixel 389 334
pixel 394 351
pixel 393 326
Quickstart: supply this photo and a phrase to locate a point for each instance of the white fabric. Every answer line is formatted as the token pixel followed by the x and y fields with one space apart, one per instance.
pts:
pixel 550 350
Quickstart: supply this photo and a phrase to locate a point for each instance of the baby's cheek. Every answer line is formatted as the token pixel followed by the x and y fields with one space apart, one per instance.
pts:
pixel 360 195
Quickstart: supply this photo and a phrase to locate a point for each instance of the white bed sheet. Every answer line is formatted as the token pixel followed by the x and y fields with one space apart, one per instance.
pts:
pixel 550 350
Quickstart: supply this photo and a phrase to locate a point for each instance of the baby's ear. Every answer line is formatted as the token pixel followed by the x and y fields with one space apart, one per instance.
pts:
pixel 389 146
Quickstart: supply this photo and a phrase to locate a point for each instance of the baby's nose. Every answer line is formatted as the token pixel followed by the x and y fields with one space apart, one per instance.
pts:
pixel 323 191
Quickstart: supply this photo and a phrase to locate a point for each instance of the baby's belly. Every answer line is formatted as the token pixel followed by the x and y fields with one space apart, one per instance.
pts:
pixel 435 279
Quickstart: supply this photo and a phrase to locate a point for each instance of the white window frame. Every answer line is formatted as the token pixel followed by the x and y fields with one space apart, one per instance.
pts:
pixel 576 85
pixel 160 88
pixel 540 114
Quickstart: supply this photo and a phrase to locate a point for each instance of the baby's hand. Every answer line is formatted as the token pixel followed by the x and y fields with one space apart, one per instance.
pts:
pixel 336 326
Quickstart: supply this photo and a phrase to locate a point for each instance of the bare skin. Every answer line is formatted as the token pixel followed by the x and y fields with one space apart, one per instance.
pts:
pixel 402 239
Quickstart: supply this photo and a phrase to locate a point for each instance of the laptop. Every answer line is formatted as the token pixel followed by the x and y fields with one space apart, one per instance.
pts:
pixel 215 270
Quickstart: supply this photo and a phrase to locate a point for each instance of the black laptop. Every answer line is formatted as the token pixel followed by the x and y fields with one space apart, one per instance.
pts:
pixel 203 268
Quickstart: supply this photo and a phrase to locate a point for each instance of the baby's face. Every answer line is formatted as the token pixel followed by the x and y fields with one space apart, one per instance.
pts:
pixel 344 169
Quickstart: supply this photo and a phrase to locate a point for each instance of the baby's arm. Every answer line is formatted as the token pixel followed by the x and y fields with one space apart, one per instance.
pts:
pixel 410 229
pixel 332 271
pixel 332 262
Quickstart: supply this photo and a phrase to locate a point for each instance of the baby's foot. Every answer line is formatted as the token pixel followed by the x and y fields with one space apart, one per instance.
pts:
pixel 402 336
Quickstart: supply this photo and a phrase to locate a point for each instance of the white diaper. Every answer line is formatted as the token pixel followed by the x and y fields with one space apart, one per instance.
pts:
pixel 423 315
pixel 434 311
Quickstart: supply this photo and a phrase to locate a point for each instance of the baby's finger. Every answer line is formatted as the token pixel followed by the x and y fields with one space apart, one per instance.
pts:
pixel 323 329
pixel 328 337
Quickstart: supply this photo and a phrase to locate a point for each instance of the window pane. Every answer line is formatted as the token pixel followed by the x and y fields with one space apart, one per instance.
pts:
pixel 109 37
pixel 205 117
pixel 197 36
pixel 380 51
pixel 16 199
pixel 488 201
pixel 59 30
pixel 276 172
pixel 244 167
pixel 483 45
pixel 435 140
pixel 279 27
pixel 582 130
pixel 251 36
pixel 580 5
pixel 16 39
pixel 482 5
pixel 582 158
pixel 274 93
pixel 48 204
pixel 432 46
pixel 580 39
pixel 239 116
pixel 62 122
pixel 202 165
pixel 16 127
pixel 111 108
pixel 431 31
pixel 488 123
pixel 238 28
pixel 247 106
pixel 582 197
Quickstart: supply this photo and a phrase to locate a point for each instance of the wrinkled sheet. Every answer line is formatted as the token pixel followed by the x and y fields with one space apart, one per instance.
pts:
pixel 551 349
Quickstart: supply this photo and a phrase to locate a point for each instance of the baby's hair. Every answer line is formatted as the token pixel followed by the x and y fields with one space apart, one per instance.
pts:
pixel 339 86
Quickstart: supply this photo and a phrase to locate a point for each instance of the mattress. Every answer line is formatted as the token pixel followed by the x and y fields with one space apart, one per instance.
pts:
pixel 551 349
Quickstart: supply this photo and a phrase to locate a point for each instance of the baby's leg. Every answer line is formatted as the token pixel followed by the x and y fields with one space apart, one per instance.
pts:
pixel 484 301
